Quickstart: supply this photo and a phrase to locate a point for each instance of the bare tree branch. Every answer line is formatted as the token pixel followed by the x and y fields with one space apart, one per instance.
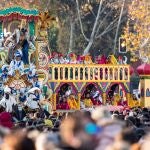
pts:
pixel 107 28
pixel 94 29
pixel 81 26
pixel 102 22
pixel 120 17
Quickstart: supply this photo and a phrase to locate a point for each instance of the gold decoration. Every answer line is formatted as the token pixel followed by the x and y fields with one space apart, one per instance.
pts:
pixel 17 77
pixel 46 21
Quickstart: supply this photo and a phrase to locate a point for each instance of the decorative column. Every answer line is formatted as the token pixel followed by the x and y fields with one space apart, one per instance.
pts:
pixel 144 73
pixel 79 98
pixel 104 97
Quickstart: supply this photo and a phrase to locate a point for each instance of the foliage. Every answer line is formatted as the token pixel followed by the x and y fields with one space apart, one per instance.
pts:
pixel 137 31
pixel 66 12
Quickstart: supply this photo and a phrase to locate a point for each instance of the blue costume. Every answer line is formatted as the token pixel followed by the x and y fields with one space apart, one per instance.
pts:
pixel 4 74
pixel 25 52
pixel 22 98
pixel 37 97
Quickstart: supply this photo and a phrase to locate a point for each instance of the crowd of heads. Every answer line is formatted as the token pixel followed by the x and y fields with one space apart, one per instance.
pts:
pixel 100 129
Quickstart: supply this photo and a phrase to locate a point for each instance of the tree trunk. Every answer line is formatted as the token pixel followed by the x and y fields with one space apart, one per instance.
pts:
pixel 117 30
pixel 87 49
pixel 72 25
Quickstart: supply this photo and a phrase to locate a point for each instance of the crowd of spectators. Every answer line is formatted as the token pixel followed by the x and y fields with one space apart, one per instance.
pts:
pixel 101 129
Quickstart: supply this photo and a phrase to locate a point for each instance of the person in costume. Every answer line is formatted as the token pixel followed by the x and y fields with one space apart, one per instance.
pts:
pixel 55 58
pixel 31 73
pixel 31 102
pixel 9 45
pixel 22 97
pixel 25 46
pixel 16 64
pixel 38 95
pixel 87 101
pixel 72 102
pixel 69 91
pixel 73 58
pixel 4 74
pixel 101 59
pixel 61 59
pixel 88 60
pixel 35 82
pixel 64 104
pixel 8 102
pixel 96 98
pixel 2 42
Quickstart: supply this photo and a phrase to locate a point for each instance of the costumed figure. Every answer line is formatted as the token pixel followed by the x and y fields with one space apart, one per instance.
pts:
pixel 35 82
pixel 31 49
pixel 116 99
pixel 8 102
pixel 22 97
pixel 25 46
pixel 38 95
pixel 54 59
pixel 4 74
pixel 88 102
pixel 1 90
pixel 63 105
pixel 1 42
pixel 72 102
pixel 88 59
pixel 9 45
pixel 101 59
pixel 96 98
pixel 61 59
pixel 69 91
pixel 120 61
pixel 16 64
pixel 31 103
pixel 79 59
pixel 73 58
pixel 31 73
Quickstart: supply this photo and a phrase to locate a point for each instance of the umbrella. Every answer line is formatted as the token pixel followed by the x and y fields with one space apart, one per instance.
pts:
pixel 34 89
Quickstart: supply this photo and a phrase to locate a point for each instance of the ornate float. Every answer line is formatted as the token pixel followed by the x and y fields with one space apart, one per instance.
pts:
pixel 111 82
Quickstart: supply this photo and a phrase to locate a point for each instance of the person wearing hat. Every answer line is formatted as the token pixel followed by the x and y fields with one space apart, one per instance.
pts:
pixel 16 64
pixel 31 102
pixel 8 102
pixel 35 82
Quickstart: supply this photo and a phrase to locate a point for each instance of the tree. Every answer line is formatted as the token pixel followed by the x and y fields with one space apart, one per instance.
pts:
pixel 107 10
pixel 137 31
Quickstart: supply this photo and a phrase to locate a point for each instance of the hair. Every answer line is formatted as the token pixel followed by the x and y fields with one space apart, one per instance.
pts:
pixel 129 136
pixel 18 141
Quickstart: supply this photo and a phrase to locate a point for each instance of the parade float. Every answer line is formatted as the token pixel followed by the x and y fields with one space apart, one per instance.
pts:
pixel 66 86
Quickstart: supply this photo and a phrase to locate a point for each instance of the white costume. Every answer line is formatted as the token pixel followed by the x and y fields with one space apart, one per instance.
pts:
pixel 16 65
pixel 31 103
pixel 8 103
pixel 61 60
